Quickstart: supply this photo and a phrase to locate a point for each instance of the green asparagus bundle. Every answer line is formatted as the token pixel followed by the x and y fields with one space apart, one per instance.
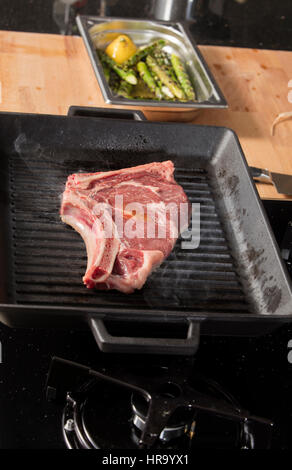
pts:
pixel 183 77
pixel 127 75
pixel 143 52
pixel 164 78
pixel 150 73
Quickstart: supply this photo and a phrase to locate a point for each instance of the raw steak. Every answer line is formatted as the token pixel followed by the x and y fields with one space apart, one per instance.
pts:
pixel 124 219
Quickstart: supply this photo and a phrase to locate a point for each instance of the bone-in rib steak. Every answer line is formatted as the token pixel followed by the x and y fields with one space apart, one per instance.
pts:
pixel 128 219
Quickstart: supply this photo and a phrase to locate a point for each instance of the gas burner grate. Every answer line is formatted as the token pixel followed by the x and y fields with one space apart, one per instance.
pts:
pixel 163 406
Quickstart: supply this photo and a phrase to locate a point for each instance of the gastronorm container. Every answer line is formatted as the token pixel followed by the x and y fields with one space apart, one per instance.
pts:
pixel 99 32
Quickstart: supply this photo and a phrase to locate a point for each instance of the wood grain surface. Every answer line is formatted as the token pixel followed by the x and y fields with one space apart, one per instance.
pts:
pixel 41 73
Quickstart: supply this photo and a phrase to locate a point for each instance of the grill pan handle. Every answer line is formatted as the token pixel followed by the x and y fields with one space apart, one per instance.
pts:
pixel 122 344
pixel 106 113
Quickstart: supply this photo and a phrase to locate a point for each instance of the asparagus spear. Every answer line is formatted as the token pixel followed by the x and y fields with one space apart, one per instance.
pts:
pixel 145 74
pixel 143 52
pixel 183 77
pixel 164 78
pixel 127 75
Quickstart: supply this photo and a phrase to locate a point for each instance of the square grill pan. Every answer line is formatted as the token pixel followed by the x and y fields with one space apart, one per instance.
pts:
pixel 233 283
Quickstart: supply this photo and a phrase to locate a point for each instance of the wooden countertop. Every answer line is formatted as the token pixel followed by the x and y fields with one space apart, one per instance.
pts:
pixel 42 73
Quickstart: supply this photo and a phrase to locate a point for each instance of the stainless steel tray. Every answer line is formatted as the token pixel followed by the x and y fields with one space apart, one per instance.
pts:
pixel 99 32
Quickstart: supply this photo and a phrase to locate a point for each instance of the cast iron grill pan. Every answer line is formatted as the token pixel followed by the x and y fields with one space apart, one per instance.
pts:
pixel 47 258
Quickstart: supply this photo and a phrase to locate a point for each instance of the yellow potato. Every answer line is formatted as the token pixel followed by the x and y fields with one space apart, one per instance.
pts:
pixel 121 49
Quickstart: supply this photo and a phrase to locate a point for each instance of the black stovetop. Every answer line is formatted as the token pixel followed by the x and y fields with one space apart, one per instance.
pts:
pixel 256 371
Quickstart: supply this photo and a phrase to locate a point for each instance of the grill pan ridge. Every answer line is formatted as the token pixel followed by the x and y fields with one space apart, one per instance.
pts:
pixel 216 284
